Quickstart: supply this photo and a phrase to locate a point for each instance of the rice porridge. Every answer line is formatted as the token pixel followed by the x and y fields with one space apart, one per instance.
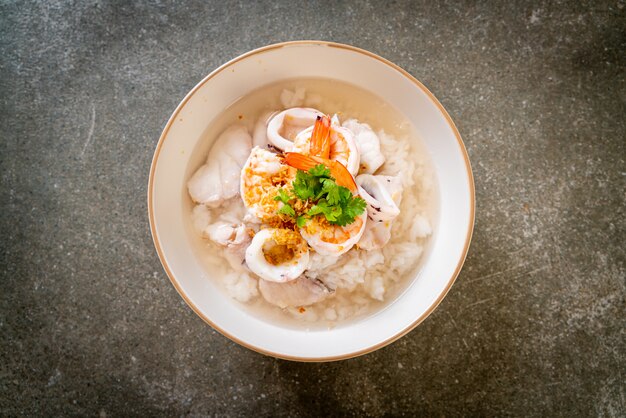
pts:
pixel 311 201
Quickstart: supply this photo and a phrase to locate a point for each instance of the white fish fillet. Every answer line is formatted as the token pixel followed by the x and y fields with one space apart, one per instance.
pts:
pixel 218 179
pixel 299 292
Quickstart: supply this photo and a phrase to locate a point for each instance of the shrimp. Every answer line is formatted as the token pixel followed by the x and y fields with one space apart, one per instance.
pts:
pixel 283 128
pixel 328 139
pixel 261 177
pixel 382 195
pixel 299 292
pixel 218 179
pixel 277 255
pixel 330 239
pixel 322 236
pixel 337 170
pixel 368 144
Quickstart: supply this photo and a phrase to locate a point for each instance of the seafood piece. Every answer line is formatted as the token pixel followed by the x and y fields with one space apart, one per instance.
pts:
pixel 299 292
pixel 383 195
pixel 319 137
pixel 337 170
pixel 330 239
pixel 277 255
pixel 283 128
pixel 226 234
pixel 327 139
pixel 259 135
pixel 218 179
pixel 235 237
pixel 261 177
pixel 369 146
pixel 377 193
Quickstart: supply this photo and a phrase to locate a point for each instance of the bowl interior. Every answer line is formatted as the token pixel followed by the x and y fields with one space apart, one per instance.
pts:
pixel 310 60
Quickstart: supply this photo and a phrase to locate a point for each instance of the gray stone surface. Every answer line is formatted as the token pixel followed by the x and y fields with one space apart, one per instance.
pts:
pixel 535 324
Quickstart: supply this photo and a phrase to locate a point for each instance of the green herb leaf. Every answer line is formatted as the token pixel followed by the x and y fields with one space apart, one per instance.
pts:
pixel 287 210
pixel 305 185
pixel 333 192
pixel 350 209
pixel 282 196
pixel 329 211
pixel 301 221
pixel 320 170
pixel 345 195
pixel 315 210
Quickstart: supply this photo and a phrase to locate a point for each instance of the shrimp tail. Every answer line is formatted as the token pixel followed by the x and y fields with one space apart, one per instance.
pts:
pixel 337 170
pixel 320 137
pixel 301 161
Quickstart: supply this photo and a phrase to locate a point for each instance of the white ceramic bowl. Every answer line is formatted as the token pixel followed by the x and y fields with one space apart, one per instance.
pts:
pixel 167 191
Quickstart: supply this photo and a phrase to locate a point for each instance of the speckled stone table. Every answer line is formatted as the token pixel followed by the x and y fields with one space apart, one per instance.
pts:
pixel 535 324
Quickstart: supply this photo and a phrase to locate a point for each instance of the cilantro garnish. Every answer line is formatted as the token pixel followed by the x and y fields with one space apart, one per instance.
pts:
pixel 287 210
pixel 283 196
pixel 301 221
pixel 322 196
pixel 320 170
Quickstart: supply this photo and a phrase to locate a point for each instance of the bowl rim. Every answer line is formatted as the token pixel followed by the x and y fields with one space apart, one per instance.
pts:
pixel 412 79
